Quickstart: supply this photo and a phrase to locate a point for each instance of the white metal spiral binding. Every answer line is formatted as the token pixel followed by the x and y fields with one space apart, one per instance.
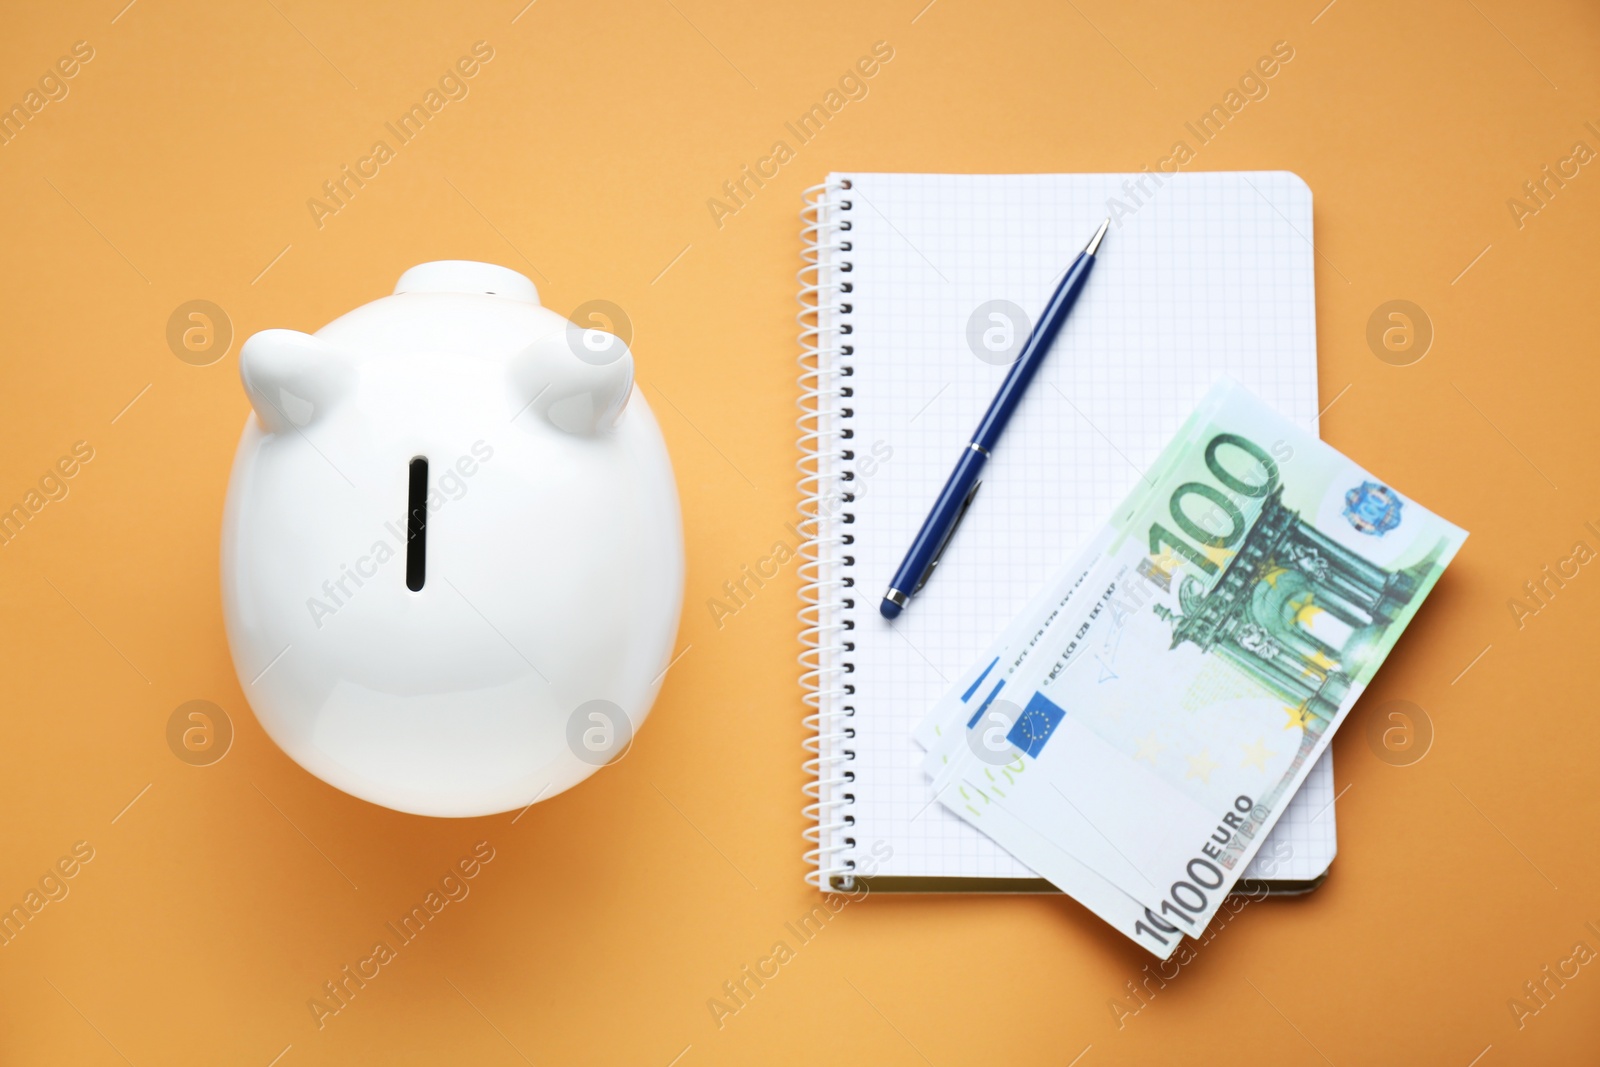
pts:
pixel 826 614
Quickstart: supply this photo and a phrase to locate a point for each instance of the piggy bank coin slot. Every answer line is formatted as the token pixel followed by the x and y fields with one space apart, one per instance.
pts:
pixel 417 526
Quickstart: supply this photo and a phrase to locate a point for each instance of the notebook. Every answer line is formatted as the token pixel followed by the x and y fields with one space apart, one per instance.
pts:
pixel 916 291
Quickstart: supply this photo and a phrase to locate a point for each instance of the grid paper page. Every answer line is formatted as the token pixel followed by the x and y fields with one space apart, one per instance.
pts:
pixel 1209 274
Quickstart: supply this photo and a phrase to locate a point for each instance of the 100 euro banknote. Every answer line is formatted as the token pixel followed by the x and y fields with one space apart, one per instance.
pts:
pixel 1225 620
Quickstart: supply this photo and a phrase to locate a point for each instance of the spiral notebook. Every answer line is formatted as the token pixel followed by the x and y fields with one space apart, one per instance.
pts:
pixel 913 289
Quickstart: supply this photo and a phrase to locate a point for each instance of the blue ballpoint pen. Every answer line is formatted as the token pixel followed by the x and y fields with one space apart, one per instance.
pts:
pixel 956 496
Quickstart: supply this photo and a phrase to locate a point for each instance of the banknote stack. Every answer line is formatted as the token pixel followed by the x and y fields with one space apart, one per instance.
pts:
pixel 1139 728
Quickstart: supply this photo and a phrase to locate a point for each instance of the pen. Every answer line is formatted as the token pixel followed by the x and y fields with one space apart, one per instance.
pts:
pixel 956 496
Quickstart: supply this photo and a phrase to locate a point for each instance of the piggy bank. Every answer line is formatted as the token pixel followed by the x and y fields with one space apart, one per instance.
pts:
pixel 452 556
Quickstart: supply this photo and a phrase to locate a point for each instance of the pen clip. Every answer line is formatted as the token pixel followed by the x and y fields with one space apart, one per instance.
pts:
pixel 927 571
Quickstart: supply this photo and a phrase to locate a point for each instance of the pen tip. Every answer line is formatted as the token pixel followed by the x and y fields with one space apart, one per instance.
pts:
pixel 1099 235
pixel 888 608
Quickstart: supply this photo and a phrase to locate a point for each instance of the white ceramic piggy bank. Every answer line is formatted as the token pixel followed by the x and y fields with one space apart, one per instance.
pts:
pixel 452 557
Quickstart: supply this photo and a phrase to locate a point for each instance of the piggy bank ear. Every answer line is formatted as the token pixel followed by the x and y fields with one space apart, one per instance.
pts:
pixel 292 378
pixel 577 379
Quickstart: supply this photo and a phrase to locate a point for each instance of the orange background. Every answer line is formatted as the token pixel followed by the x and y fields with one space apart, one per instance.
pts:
pixel 217 904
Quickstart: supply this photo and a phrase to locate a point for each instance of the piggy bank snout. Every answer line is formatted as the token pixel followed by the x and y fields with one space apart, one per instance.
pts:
pixel 467 276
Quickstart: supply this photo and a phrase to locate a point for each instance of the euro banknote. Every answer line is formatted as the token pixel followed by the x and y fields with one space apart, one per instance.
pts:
pixel 1181 675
